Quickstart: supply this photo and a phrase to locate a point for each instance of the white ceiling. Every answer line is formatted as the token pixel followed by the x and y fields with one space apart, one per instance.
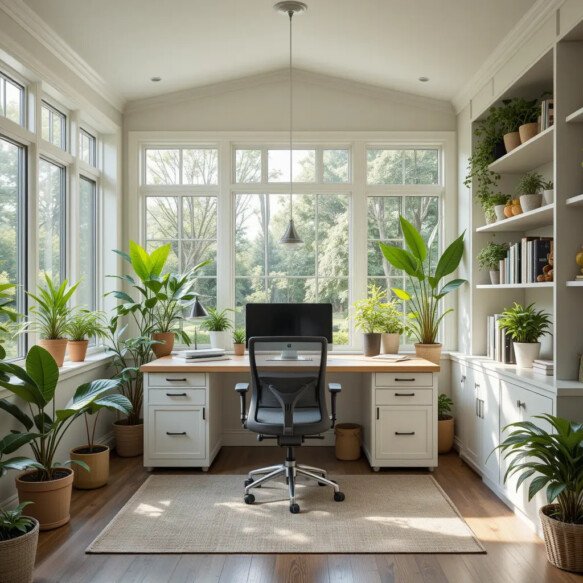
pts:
pixel 189 43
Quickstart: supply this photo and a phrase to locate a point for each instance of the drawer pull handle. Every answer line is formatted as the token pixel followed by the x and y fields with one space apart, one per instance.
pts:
pixel 404 433
pixel 204 413
pixel 520 404
pixel 176 380
pixel 404 394
pixel 405 380
pixel 176 395
pixel 176 433
pixel 377 413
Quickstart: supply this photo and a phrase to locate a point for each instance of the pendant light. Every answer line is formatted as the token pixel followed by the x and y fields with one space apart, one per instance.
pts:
pixel 290 237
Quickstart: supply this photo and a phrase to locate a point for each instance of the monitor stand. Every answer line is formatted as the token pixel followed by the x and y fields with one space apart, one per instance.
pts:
pixel 290 355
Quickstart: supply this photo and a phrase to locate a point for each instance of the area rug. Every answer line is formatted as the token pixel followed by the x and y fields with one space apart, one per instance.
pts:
pixel 207 514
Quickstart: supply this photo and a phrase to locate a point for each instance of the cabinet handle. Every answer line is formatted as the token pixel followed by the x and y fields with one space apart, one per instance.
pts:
pixel 463 379
pixel 176 395
pixel 176 433
pixel 476 405
pixel 204 413
pixel 476 386
pixel 481 408
pixel 377 413
pixel 176 380
pixel 520 404
pixel 404 433
pixel 404 380
pixel 404 394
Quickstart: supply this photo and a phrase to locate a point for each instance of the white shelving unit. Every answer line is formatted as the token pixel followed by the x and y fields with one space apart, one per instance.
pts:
pixel 539 217
pixel 575 200
pixel 538 285
pixel 575 283
pixel 576 116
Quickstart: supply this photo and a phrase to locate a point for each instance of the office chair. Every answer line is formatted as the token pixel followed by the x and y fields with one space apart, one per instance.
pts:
pixel 288 404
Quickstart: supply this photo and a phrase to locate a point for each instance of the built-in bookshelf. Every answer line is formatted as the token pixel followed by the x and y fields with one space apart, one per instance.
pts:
pixel 576 116
pixel 575 200
pixel 540 217
pixel 574 283
pixel 538 285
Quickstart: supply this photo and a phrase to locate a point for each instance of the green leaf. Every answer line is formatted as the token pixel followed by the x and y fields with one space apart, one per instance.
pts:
pixel 401 294
pixel 450 259
pixel 536 485
pixel 554 490
pixel 400 259
pixel 14 441
pixel 43 369
pixel 158 258
pixel 17 413
pixel 113 403
pixel 24 387
pixel 450 286
pixel 140 261
pixel 20 464
pixel 413 240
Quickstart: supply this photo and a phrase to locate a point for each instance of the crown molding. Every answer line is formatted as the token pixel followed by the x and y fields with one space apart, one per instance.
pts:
pixel 282 75
pixel 508 46
pixel 29 20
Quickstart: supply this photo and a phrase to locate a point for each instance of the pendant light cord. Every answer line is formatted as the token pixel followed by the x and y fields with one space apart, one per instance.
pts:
pixel 291 107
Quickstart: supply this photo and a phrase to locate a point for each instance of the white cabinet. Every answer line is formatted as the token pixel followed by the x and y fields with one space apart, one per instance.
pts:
pixel 176 432
pixel 404 432
pixel 488 395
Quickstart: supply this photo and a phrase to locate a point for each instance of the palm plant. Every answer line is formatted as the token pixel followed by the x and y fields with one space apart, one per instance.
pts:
pixel 239 336
pixel 424 279
pixel 217 320
pixel 85 324
pixel 525 324
pixel 553 460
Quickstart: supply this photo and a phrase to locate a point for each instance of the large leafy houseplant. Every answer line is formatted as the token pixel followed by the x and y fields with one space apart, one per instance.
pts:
pixel 552 460
pixel 426 282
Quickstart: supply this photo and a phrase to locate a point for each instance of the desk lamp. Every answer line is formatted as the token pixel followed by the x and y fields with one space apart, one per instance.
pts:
pixel 197 311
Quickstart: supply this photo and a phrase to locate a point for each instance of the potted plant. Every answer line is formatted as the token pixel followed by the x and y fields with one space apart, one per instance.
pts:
pixel 239 341
pixel 497 203
pixel 368 318
pixel 425 281
pixel 83 325
pixel 391 326
pixel 217 324
pixel 48 485
pixel 489 258
pixel 52 316
pixel 18 542
pixel 548 192
pixel 529 189
pixel 514 114
pixel 526 326
pixel 444 424
pixel 553 461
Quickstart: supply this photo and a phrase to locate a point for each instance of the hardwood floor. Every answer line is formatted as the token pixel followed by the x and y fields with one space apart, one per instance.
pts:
pixel 514 554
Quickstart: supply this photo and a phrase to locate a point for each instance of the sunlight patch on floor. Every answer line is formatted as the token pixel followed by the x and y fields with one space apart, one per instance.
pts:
pixel 149 510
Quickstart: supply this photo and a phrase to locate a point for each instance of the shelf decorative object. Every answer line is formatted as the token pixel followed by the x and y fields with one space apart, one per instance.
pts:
pixel 530 189
pixel 489 258
pixel 548 192
pixel 371 319
pixel 515 114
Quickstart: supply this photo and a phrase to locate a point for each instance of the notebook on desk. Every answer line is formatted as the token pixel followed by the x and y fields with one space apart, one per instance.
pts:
pixel 392 357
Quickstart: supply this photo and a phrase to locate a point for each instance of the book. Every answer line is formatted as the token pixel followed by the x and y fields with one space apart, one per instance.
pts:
pixel 202 352
pixel 392 357
pixel 207 358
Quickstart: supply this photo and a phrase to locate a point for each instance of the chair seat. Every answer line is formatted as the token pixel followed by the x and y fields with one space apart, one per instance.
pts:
pixel 301 416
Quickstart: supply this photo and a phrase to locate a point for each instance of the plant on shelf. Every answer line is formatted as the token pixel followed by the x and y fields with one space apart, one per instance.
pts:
pixel 494 207
pixel 239 341
pixel 445 424
pixel 529 189
pixel 552 459
pixel 489 258
pixel 217 323
pixel 526 326
pixel 515 114
pixel 18 542
pixel 370 320
pixel 49 483
pixel 426 282
pixel 548 191
pixel 52 315
pixel 392 325
pixel 82 325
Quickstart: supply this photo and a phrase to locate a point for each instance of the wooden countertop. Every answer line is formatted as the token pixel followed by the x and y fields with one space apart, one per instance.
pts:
pixel 336 363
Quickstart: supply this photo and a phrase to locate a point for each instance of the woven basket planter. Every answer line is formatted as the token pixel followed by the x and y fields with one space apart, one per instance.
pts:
pixel 563 541
pixel 17 557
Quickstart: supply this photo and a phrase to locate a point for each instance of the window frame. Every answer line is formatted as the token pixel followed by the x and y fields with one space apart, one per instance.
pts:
pixel 4 77
pixel 53 109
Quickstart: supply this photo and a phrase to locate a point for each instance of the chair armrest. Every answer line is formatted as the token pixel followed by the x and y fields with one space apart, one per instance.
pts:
pixel 334 389
pixel 242 389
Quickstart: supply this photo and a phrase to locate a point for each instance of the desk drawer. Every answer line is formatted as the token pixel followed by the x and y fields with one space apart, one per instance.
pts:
pixel 177 396
pixel 176 433
pixel 176 379
pixel 404 396
pixel 404 379
pixel 404 433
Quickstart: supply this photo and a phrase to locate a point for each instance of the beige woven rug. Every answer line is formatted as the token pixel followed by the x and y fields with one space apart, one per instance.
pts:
pixel 206 514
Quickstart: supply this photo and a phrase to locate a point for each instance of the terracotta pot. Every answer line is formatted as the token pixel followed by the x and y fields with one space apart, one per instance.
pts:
pixel 17 557
pixel 494 276
pixel 511 141
pixel 129 439
pixel 563 541
pixel 528 131
pixel 444 435
pixel 390 343
pixel 165 349
pixel 51 500
pixel 239 349
pixel 56 348
pixel 98 463
pixel 77 350
pixel 372 344
pixel 430 352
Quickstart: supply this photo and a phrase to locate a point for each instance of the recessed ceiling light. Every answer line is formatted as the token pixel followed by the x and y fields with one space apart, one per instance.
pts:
pixel 155 79
pixel 423 79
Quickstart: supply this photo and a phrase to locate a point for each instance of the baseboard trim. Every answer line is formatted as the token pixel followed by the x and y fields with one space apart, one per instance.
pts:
pixel 241 437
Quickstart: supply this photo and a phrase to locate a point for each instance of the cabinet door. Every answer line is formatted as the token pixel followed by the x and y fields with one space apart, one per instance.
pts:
pixel 177 433
pixel 472 429
pixel 458 380
pixel 404 433
pixel 489 420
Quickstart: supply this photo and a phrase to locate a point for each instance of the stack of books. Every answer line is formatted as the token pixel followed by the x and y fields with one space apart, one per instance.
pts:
pixel 525 261
pixel 499 344
pixel 547 114
pixel 544 367
pixel 204 355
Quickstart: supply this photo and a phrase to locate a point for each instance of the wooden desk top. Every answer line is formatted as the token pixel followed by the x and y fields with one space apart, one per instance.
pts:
pixel 336 363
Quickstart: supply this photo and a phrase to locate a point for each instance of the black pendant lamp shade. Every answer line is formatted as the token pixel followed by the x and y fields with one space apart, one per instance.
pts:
pixel 291 237
pixel 198 310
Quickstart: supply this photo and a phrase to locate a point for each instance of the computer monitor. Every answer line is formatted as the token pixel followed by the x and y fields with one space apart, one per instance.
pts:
pixel 289 320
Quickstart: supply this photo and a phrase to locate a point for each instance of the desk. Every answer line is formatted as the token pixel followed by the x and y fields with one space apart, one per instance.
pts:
pixel 183 408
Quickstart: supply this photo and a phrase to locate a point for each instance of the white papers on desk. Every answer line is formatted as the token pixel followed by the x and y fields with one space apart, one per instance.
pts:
pixel 392 357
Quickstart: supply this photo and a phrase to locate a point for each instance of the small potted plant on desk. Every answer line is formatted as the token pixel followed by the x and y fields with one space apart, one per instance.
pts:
pixel 489 258
pixel 425 281
pixel 83 325
pixel 369 318
pixel 217 324
pixel 239 341
pixel 392 326
pixel 444 424
pixel 554 461
pixel 526 327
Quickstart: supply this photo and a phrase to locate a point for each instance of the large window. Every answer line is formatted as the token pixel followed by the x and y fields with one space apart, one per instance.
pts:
pixel 12 228
pixel 87 290
pixel 87 148
pixel 53 126
pixel 11 100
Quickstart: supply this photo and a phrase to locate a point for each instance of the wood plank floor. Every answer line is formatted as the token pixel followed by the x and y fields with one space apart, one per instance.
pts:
pixel 514 554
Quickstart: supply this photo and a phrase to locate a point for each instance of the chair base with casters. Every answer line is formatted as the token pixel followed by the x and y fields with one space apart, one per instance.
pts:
pixel 288 405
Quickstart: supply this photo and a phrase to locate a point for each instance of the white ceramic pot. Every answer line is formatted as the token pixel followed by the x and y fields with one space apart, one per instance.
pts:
pixel 494 276
pixel 529 202
pixel 526 353
pixel 220 339
pixel 499 210
pixel 549 196
pixel 390 343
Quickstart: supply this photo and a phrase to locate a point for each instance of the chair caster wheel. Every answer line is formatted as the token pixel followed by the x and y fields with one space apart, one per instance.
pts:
pixel 249 498
pixel 338 496
pixel 294 508
pixel 248 482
